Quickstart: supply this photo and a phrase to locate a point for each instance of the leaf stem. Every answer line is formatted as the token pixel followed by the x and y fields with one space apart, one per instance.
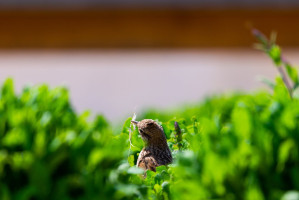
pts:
pixel 178 134
pixel 285 80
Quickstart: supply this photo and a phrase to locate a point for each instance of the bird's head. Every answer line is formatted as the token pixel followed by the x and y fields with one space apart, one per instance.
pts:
pixel 151 132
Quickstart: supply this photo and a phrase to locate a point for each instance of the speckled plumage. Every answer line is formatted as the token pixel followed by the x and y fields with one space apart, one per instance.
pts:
pixel 156 151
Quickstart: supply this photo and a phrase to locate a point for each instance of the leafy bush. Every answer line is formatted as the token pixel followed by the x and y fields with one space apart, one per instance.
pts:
pixel 240 146
pixel 243 146
pixel 48 152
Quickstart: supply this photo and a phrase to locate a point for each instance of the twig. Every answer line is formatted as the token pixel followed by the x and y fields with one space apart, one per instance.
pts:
pixel 285 80
pixel 132 126
pixel 178 134
pixel 266 46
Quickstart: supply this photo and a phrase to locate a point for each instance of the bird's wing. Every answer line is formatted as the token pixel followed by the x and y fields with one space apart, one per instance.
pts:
pixel 147 161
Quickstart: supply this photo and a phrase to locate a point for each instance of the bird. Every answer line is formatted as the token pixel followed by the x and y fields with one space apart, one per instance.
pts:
pixel 156 151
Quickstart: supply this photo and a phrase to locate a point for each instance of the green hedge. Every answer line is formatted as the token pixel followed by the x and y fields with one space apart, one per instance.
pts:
pixel 47 151
pixel 239 146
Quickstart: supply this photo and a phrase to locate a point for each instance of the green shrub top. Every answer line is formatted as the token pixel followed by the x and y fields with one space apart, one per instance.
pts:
pixel 49 152
pixel 240 146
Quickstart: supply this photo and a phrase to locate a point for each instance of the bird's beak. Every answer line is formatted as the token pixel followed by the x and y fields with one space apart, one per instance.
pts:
pixel 134 122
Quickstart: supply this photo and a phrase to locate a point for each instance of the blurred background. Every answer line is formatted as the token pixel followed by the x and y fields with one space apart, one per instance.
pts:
pixel 119 57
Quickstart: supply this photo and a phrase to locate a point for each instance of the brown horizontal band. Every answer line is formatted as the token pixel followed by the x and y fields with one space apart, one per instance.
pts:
pixel 144 28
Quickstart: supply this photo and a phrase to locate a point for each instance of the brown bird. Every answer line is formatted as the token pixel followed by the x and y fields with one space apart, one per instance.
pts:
pixel 156 151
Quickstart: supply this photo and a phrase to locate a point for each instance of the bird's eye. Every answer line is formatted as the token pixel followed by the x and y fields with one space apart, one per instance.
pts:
pixel 144 135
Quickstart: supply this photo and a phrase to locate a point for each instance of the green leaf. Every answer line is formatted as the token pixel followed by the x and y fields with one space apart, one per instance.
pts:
pixel 284 153
pixel 15 137
pixel 290 195
pixel 275 54
pixel 131 160
pixel 293 74
pixel 254 192
pixel 268 82
pixel 126 126
pixel 281 93
pixel 8 89
pixel 161 168
pixel 242 122
pixel 165 187
pixel 135 170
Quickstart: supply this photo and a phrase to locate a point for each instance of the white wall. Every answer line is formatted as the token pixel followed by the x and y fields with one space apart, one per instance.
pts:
pixel 117 83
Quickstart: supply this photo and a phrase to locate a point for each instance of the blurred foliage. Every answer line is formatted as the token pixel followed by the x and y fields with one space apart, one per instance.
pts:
pixel 47 151
pixel 231 147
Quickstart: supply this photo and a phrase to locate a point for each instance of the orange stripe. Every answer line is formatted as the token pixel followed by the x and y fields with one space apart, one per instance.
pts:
pixel 145 28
